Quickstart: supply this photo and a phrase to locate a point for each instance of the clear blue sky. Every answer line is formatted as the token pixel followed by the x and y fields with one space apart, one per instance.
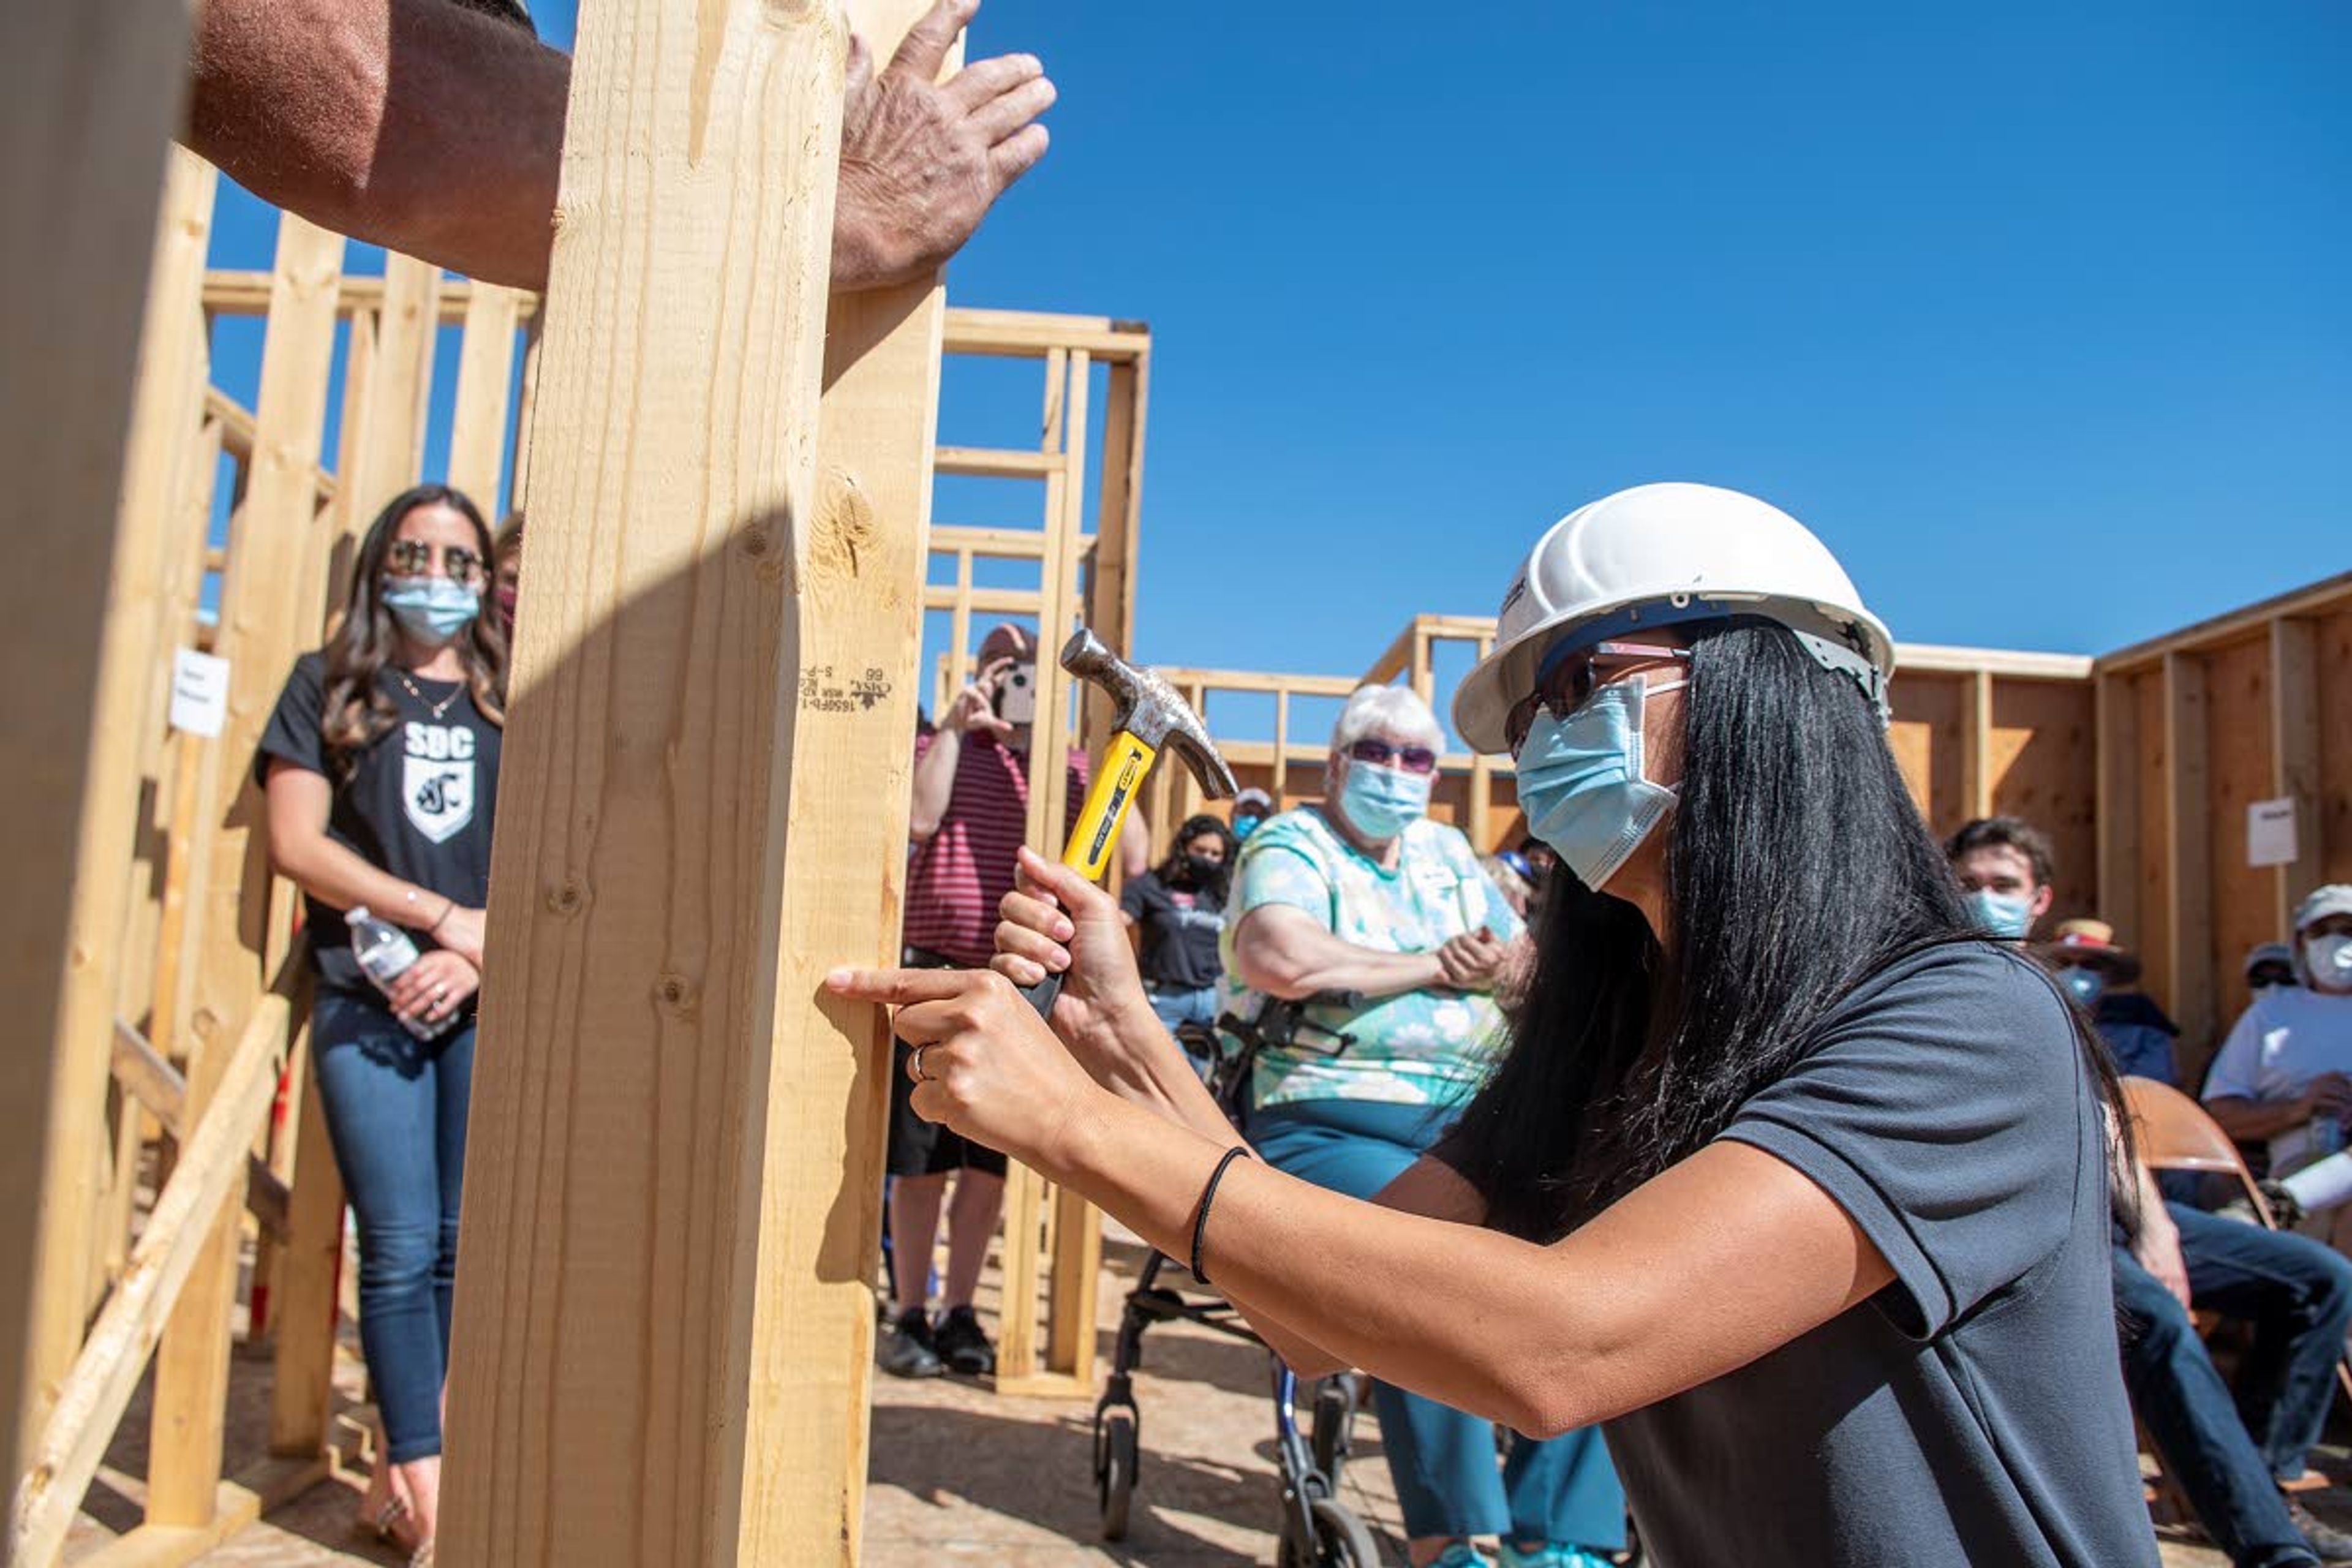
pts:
pixel 2044 321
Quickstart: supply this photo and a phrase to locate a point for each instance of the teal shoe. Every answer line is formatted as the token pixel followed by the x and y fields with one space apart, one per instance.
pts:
pixel 1462 1554
pixel 1554 1554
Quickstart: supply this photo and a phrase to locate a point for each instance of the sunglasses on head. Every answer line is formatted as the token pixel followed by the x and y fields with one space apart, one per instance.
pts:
pixel 1568 681
pixel 1379 754
pixel 415 557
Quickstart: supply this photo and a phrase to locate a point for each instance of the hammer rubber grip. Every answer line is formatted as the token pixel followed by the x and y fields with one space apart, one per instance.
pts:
pixel 1118 780
pixel 1043 995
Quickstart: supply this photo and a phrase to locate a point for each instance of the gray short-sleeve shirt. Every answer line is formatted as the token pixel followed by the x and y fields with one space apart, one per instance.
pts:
pixel 1973 1411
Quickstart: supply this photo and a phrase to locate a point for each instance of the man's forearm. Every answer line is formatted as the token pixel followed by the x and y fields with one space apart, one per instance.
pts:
pixel 421 126
pixel 2256 1119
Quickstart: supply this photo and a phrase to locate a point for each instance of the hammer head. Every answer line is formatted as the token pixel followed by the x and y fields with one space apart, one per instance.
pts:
pixel 1149 709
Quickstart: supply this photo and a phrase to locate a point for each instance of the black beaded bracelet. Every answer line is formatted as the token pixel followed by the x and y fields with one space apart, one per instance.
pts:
pixel 1208 1196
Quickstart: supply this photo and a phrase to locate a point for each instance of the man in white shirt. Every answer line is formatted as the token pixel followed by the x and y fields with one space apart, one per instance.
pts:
pixel 2285 1071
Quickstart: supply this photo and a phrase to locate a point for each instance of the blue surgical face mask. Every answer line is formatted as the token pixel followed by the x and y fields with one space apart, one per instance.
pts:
pixel 431 609
pixel 1384 801
pixel 1580 784
pixel 1244 826
pixel 2002 914
pixel 2084 985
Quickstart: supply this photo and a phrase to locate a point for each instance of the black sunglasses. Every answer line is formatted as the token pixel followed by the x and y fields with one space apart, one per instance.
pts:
pixel 1569 684
pixel 414 558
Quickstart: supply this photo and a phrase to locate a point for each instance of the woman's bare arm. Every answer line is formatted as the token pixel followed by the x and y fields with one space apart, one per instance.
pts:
pixel 296 802
pixel 1716 1262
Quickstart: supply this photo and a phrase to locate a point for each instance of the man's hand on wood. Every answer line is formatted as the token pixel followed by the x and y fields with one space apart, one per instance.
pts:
pixel 923 160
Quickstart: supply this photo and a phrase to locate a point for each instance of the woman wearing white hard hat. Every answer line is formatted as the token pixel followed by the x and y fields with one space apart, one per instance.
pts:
pixel 1790 1177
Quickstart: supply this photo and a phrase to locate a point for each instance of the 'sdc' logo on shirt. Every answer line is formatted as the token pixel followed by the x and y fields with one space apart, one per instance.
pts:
pixel 437 778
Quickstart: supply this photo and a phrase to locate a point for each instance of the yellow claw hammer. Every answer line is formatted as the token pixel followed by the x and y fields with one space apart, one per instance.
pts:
pixel 1147 718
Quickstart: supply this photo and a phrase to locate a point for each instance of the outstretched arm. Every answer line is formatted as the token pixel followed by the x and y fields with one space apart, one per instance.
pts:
pixel 1718 1261
pixel 437 131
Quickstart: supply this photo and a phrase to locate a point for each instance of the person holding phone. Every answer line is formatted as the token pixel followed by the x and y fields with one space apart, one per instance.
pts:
pixel 970 815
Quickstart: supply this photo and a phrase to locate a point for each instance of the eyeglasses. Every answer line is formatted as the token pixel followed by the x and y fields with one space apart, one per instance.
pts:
pixel 1379 754
pixel 414 558
pixel 1569 684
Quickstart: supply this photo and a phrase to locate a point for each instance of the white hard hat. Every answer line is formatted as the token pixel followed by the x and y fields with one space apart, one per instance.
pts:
pixel 1657 554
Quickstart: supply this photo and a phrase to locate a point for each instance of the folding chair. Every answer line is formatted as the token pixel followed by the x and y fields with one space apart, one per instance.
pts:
pixel 2175 1133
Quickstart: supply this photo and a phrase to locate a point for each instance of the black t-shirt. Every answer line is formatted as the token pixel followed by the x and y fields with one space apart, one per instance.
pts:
pixel 1180 930
pixel 1973 1411
pixel 417 803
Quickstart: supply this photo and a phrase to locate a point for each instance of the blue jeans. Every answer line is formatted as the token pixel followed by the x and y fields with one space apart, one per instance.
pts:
pixel 396 1115
pixel 2227 1452
pixel 1563 1489
pixel 1172 1006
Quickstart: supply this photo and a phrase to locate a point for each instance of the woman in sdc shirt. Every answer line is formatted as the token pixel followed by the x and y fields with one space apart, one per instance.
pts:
pixel 1177 911
pixel 379 767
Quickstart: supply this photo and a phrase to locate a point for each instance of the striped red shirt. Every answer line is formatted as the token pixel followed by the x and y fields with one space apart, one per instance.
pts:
pixel 964 868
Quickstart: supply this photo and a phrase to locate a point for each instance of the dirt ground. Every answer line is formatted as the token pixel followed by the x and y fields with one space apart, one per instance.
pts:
pixel 959 1474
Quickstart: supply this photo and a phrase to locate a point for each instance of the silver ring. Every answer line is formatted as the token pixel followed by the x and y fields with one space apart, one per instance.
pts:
pixel 915 1065
pixel 440 994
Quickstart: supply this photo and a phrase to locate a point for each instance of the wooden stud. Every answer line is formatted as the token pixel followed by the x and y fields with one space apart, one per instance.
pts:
pixel 2295 759
pixel 262 625
pixel 692 774
pixel 478 431
pixel 1975 745
pixel 526 405
pixel 302 1388
pixel 402 383
pixel 2118 808
pixel 2189 859
pixel 85 101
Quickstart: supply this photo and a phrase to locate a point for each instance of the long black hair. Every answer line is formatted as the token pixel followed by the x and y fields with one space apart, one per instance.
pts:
pixel 355 712
pixel 1798 867
pixel 1174 872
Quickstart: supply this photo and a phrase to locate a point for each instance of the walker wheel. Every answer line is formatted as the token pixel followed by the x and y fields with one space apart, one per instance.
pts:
pixel 1115 1452
pixel 1341 1540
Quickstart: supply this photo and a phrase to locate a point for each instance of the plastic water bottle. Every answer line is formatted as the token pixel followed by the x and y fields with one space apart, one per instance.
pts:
pixel 386 953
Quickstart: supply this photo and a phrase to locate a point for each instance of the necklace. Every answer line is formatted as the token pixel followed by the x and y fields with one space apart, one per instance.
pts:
pixel 437 708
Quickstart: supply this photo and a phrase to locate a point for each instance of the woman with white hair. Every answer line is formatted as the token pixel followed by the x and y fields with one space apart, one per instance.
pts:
pixel 1364 893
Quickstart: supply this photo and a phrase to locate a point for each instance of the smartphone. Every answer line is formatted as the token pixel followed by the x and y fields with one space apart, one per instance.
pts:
pixel 1016 695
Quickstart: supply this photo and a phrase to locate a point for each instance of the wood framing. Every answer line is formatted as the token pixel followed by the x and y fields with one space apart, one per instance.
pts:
pixel 87 97
pixel 665 707
pixel 262 627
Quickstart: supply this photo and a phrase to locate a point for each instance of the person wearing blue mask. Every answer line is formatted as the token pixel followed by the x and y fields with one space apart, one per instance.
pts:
pixel 379 769
pixel 1788 1175
pixel 2233 1452
pixel 1367 893
pixel 2004 868
pixel 1251 807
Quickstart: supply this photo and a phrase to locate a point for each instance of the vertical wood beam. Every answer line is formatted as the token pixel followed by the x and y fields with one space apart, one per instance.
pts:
pixel 2117 721
pixel 87 95
pixel 2295 758
pixel 478 431
pixel 691 768
pixel 1976 744
pixel 262 625
pixel 526 407
pixel 2188 849
pixel 401 383
pixel 301 1388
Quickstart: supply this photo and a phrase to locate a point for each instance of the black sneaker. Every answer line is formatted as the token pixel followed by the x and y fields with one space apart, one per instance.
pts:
pixel 963 1347
pixel 2333 1545
pixel 907 1348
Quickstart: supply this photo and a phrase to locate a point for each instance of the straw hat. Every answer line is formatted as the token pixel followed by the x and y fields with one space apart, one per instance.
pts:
pixel 2091 944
